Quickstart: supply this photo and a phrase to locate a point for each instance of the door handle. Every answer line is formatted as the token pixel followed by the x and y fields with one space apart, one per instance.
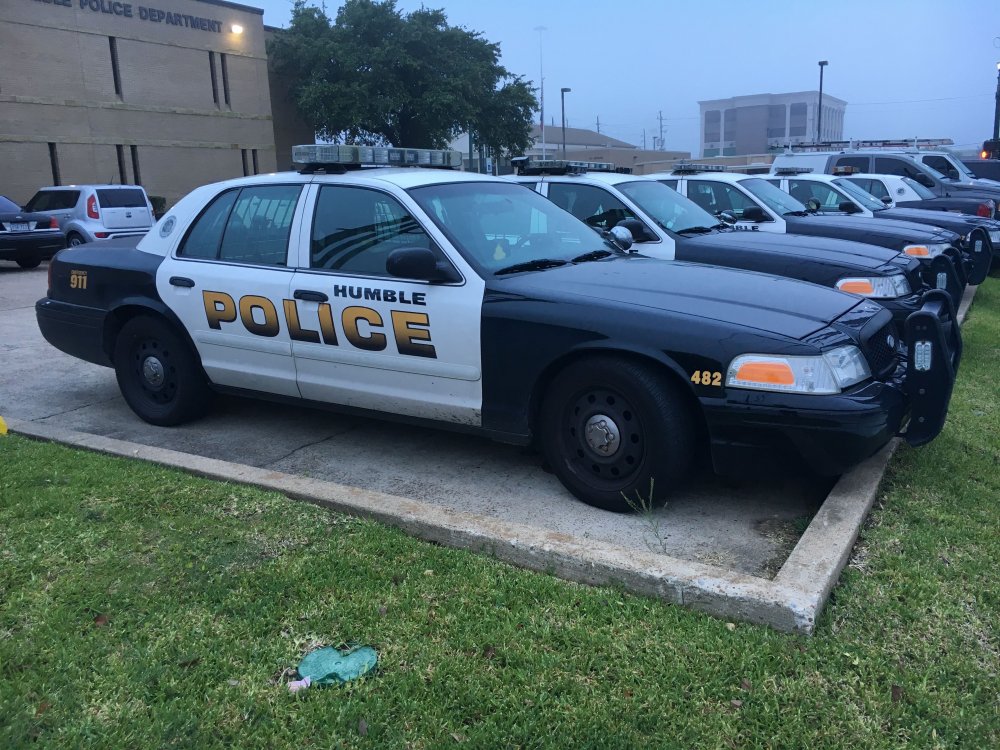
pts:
pixel 181 281
pixel 309 295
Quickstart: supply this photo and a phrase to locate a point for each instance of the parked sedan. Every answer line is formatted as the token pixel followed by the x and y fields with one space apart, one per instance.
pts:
pixel 27 238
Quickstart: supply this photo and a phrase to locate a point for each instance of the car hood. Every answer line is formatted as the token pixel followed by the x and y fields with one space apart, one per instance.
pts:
pixel 955 222
pixel 819 249
pixel 864 229
pixel 741 299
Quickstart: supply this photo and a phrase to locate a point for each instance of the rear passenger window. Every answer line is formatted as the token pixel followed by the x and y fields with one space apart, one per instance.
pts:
pixel 259 225
pixel 858 162
pixel 594 205
pixel 355 230
pixel 205 235
pixel 885 165
pixel 53 200
pixel 121 198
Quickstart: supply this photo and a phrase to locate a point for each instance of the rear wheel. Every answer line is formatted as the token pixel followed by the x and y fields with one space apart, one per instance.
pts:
pixel 158 374
pixel 29 262
pixel 617 433
pixel 73 239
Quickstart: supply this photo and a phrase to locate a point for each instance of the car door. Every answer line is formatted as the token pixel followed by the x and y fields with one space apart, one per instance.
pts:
pixel 716 197
pixel 364 338
pixel 228 280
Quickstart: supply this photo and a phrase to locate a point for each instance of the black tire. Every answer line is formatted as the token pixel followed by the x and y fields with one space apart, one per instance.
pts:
pixel 28 263
pixel 653 422
pixel 73 240
pixel 158 373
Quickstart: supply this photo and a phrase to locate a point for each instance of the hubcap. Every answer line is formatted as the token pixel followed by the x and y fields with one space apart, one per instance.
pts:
pixel 602 434
pixel 152 371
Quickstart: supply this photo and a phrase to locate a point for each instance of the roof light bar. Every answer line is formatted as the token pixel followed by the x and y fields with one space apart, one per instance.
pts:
pixel 793 170
pixel 898 143
pixel 845 170
pixel 319 154
pixel 529 165
pixel 695 168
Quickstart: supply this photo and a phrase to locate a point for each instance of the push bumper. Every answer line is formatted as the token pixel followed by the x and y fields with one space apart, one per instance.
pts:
pixel 755 432
pixel 977 253
pixel 942 272
pixel 74 329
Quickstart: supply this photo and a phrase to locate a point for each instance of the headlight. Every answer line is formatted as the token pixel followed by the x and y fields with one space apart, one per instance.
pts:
pixel 926 251
pixel 828 373
pixel 995 237
pixel 876 287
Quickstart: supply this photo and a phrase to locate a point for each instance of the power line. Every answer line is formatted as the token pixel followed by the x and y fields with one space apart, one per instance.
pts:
pixel 919 101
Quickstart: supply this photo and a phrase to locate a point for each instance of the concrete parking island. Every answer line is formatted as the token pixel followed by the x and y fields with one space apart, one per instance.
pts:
pixel 723 548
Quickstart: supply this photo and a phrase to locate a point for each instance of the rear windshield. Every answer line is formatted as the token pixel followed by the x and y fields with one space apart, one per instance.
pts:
pixel 122 198
pixel 8 205
pixel 53 200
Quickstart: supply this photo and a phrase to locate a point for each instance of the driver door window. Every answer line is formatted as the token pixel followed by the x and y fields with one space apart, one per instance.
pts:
pixel 597 207
pixel 806 190
pixel 716 197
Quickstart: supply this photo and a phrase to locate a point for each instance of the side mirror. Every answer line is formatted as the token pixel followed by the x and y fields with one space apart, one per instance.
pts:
pixel 726 217
pixel 418 263
pixel 637 229
pixel 622 237
pixel 848 207
pixel 754 213
pixel 813 205
pixel 887 200
pixel 924 180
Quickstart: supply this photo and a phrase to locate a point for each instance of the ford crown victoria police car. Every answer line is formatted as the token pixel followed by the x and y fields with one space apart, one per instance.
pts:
pixel 468 301
pixel 669 226
pixel 836 195
pixel 753 204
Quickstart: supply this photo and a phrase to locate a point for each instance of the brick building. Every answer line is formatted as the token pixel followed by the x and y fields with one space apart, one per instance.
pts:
pixel 170 96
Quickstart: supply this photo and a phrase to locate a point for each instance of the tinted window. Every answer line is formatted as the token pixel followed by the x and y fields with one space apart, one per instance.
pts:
pixel 858 162
pixel 355 229
pixel 205 235
pixel 942 165
pixel 888 165
pixel 53 200
pixel 666 207
pixel 859 195
pixel 8 205
pixel 919 189
pixel 804 190
pixel 594 205
pixel 716 197
pixel 797 119
pixel 121 198
pixel 777 200
pixel 672 184
pixel 875 187
pixel 259 224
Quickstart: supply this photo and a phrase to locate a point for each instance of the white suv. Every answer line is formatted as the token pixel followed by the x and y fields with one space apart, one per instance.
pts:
pixel 87 213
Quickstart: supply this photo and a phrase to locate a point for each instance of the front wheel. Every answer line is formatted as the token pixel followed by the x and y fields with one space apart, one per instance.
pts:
pixel 28 263
pixel 158 374
pixel 617 433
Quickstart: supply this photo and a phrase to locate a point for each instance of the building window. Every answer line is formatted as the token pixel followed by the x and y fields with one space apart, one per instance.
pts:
pixel 776 121
pixel 256 167
pixel 729 125
pixel 713 126
pixel 54 163
pixel 215 78
pixel 135 164
pixel 225 76
pixel 122 174
pixel 115 72
pixel 246 168
pixel 797 119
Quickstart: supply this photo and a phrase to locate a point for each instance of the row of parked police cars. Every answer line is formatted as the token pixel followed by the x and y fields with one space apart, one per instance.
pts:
pixel 626 325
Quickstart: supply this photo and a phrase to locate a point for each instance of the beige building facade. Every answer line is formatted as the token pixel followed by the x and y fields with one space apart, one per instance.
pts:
pixel 170 96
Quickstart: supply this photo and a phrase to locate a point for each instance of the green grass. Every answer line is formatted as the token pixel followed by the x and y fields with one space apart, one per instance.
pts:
pixel 140 607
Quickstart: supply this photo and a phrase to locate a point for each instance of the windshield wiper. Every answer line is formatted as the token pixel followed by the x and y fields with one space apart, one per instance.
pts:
pixel 797 213
pixel 696 230
pixel 539 264
pixel 592 255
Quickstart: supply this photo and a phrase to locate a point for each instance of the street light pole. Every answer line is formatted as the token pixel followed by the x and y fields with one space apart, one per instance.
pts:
pixel 541 84
pixel 562 98
pixel 819 110
pixel 996 111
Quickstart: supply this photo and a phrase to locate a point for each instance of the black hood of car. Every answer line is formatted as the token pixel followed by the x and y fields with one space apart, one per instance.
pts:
pixel 884 232
pixel 954 222
pixel 961 190
pixel 822 249
pixel 740 299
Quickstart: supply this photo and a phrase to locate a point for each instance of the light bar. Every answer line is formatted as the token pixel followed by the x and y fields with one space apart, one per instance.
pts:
pixel 372 156
pixel 694 168
pixel 793 170
pixel 898 143
pixel 842 170
pixel 531 165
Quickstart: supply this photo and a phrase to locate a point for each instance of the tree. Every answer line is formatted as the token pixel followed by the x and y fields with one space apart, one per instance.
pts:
pixel 377 76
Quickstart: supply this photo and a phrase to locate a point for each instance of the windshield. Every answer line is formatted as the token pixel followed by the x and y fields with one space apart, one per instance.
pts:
pixel 667 207
pixel 497 224
pixel 859 195
pixel 919 189
pixel 777 200
pixel 961 167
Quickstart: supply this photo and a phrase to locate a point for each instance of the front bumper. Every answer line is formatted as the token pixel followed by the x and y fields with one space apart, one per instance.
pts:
pixel 74 329
pixel 977 254
pixel 754 432
pixel 946 272
pixel 31 245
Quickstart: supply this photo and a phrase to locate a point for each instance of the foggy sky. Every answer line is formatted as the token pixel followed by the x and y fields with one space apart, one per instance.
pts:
pixel 907 69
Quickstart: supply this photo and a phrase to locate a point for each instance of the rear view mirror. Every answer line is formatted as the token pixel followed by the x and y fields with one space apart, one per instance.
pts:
pixel 813 205
pixel 726 217
pixel 637 229
pixel 754 213
pixel 622 237
pixel 848 207
pixel 418 263
pixel 887 200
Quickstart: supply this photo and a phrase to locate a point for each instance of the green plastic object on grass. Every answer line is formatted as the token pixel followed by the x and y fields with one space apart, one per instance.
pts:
pixel 328 666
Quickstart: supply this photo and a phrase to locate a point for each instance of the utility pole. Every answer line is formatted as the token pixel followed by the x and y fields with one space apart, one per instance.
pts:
pixel 661 130
pixel 819 109
pixel 598 123
pixel 644 139
pixel 541 86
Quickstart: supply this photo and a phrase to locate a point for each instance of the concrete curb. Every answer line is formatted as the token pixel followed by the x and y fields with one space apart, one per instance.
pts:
pixel 791 602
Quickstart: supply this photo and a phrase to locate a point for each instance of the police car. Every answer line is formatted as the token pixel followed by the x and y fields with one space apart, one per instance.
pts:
pixel 669 226
pixel 751 203
pixel 897 191
pixel 462 300
pixel 978 239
